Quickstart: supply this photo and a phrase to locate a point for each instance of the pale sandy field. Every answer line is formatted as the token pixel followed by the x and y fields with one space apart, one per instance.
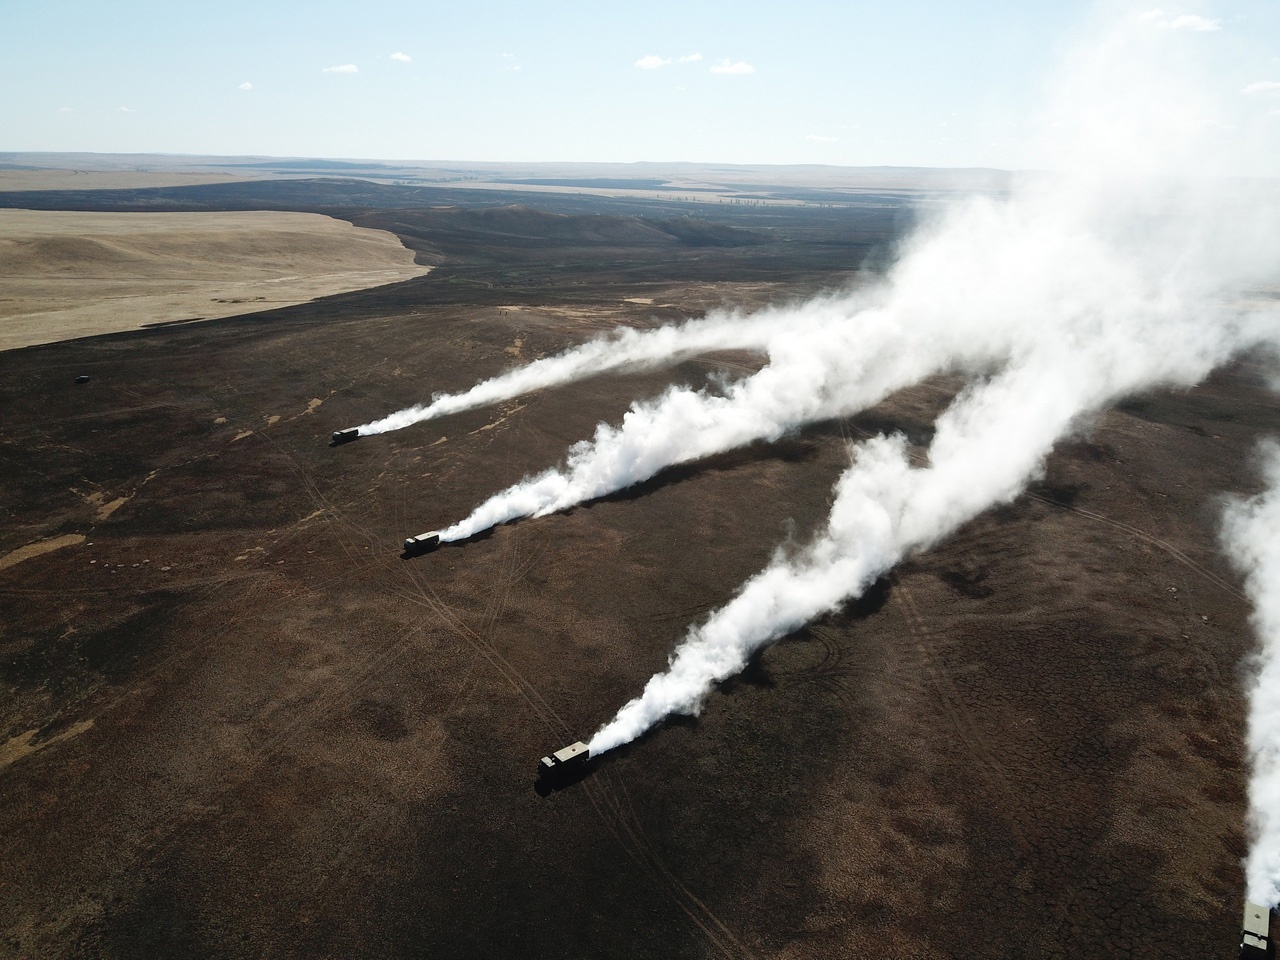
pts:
pixel 95 179
pixel 69 274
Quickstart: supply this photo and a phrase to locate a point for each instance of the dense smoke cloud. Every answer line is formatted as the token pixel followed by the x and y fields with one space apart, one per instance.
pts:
pixel 1069 258
pixel 1251 532
pixel 987 446
pixel 1134 266
pixel 827 359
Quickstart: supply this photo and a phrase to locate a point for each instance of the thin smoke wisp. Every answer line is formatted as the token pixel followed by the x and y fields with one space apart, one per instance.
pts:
pixel 624 349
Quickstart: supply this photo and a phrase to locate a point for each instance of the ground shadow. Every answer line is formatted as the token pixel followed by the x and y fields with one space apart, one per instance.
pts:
pixel 544 785
pixel 787 450
pixel 755 674
pixel 1059 494
pixel 871 602
pixel 448 544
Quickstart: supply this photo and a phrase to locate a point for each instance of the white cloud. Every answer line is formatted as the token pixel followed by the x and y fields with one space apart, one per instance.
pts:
pixel 691 58
pixel 1185 21
pixel 402 57
pixel 727 66
pixel 651 62
pixel 246 85
pixel 64 109
pixel 820 138
pixel 127 110
pixel 510 58
pixel 1192 22
pixel 343 68
pixel 1263 86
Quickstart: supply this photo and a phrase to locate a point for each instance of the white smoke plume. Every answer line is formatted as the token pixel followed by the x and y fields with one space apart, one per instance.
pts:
pixel 624 349
pixel 838 360
pixel 1123 276
pixel 1251 532
pixel 1130 269
pixel 986 448
pixel 1068 257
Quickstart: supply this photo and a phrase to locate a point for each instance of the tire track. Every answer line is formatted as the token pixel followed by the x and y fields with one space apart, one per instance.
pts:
pixel 1145 538
pixel 1133 531
pixel 602 796
pixel 988 766
pixel 365 556
pixel 604 791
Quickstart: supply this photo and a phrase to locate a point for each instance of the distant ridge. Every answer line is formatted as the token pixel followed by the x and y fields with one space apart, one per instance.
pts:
pixel 305 165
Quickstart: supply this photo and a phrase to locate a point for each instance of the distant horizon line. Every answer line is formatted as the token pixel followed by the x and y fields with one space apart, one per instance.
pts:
pixel 47 160
pixel 393 163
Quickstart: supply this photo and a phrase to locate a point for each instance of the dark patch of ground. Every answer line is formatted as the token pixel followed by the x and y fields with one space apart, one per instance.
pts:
pixel 1025 742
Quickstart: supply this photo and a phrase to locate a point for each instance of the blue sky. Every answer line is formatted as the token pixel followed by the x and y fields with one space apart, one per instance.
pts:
pixel 912 83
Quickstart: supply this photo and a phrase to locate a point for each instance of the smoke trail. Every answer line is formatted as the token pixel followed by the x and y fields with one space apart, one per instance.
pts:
pixel 624 349
pixel 833 368
pixel 987 447
pixel 1082 288
pixel 1251 533
pixel 982 286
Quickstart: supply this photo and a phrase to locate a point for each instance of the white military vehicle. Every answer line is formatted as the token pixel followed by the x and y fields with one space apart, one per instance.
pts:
pixel 1255 935
pixel 564 764
pixel 422 542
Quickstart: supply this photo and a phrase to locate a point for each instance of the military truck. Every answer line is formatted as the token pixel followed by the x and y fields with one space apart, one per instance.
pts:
pixel 564 764
pixel 1255 934
pixel 345 436
pixel 422 542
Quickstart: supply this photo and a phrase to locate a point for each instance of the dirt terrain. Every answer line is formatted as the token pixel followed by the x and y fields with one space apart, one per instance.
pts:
pixel 74 274
pixel 236 723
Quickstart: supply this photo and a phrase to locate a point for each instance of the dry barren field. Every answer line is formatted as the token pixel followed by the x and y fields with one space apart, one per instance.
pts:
pixel 75 274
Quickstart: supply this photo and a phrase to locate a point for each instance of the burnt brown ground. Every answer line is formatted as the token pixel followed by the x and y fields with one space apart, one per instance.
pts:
pixel 237 724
